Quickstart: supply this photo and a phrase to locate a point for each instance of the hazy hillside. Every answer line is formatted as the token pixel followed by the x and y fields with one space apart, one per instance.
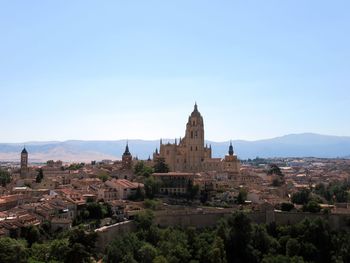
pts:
pixel 294 145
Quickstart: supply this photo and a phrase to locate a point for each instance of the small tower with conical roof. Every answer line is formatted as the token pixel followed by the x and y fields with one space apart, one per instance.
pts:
pixel 231 162
pixel 230 149
pixel 24 162
pixel 126 158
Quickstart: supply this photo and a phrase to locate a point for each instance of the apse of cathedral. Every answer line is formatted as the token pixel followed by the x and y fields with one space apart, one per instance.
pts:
pixel 191 154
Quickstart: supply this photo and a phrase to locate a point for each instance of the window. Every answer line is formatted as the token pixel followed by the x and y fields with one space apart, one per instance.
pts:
pixel 191 134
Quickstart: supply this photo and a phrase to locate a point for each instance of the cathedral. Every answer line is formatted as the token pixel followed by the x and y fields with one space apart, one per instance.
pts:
pixel 190 154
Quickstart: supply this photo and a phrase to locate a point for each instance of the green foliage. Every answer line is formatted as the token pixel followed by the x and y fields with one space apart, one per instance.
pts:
pixel 234 239
pixel 292 247
pixel 81 246
pixel 160 166
pixel 302 197
pixel 152 186
pixel 103 176
pixel 147 253
pixel 139 195
pixel 242 196
pixel 274 170
pixel 31 234
pixel 5 177
pixel 312 206
pixel 93 213
pixel 159 259
pixel 334 192
pixel 192 190
pixel 39 176
pixel 152 204
pixel 142 169
pixel 144 220
pixel 76 166
pixel 12 250
pixel 287 207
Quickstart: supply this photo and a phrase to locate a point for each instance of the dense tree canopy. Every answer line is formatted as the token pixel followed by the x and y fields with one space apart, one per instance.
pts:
pixel 5 177
pixel 235 239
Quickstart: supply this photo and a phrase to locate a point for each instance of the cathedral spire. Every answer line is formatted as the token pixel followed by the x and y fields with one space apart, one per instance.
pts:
pixel 195 106
pixel 127 152
pixel 230 149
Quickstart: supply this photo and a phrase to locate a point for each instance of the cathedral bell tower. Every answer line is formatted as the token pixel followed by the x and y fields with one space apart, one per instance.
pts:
pixel 126 158
pixel 194 141
pixel 24 162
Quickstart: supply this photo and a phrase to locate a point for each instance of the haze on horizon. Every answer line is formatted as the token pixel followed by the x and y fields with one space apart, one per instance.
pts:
pixel 114 70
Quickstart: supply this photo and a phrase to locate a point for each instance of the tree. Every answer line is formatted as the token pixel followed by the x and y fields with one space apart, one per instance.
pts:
pixel 287 207
pixel 301 197
pixel 31 234
pixel 217 252
pixel 239 238
pixel 12 250
pixel 5 177
pixel 192 190
pixel 292 247
pixel 142 169
pixel 103 176
pixel 39 176
pixel 147 253
pixel 160 166
pixel 59 249
pixel 40 252
pixel 160 259
pixel 139 195
pixel 242 196
pixel 312 207
pixel 144 220
pixel 274 170
pixel 81 245
pixel 122 247
pixel 151 187
pixel 152 204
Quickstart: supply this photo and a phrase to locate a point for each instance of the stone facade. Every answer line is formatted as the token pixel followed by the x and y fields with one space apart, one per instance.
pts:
pixel 191 154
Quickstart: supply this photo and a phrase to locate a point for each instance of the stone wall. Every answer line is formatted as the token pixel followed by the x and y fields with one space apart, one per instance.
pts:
pixel 207 218
pixel 107 233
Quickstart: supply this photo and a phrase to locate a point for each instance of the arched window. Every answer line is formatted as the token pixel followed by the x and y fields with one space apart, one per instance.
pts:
pixel 191 134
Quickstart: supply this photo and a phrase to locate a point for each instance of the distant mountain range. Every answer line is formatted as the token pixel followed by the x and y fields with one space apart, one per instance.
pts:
pixel 293 145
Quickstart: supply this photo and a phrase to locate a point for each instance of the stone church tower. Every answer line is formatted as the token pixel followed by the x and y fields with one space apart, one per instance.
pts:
pixel 194 141
pixel 126 158
pixel 24 162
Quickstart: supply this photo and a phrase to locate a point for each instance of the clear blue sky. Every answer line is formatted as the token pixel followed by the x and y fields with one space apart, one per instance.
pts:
pixel 112 70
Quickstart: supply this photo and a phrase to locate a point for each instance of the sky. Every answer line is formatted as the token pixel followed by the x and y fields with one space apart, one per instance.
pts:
pixel 109 70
